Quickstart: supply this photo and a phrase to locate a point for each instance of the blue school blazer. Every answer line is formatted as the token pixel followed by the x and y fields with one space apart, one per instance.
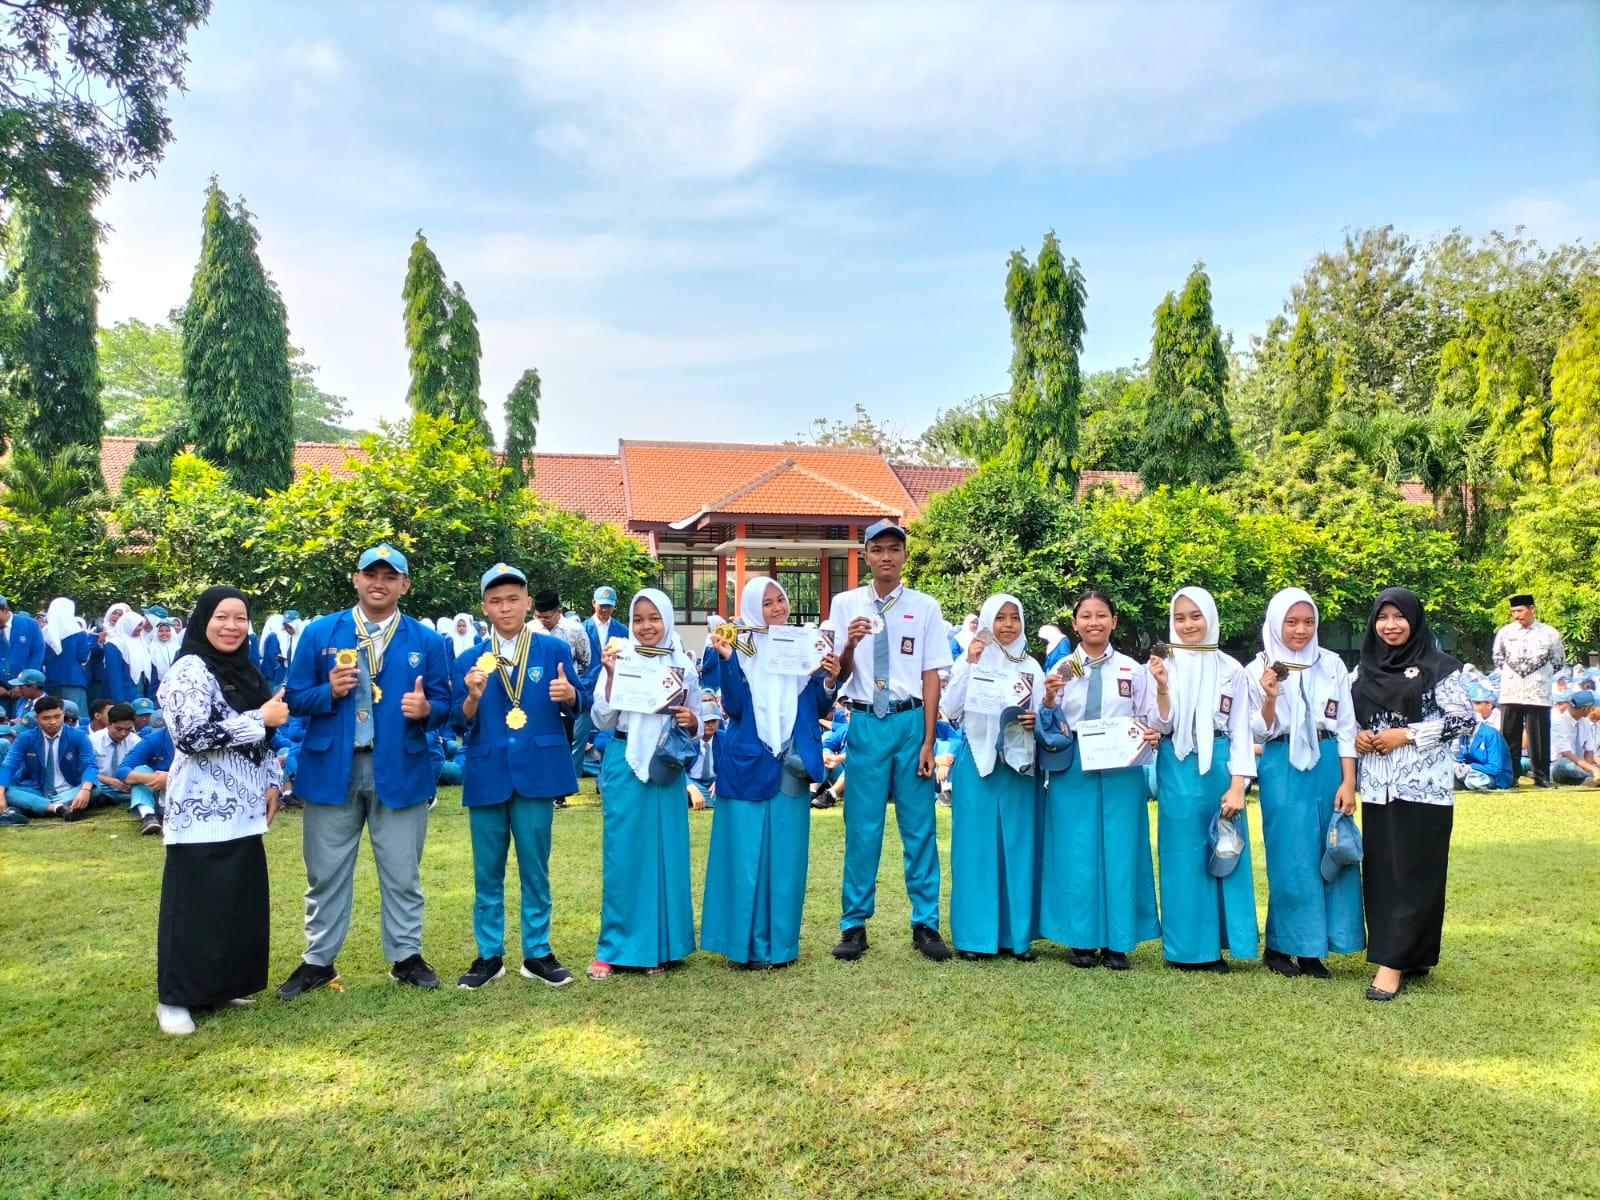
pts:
pixel 70 668
pixel 746 769
pixel 597 641
pixel 272 669
pixel 498 762
pixel 24 765
pixel 401 766
pixel 24 649
pixel 153 753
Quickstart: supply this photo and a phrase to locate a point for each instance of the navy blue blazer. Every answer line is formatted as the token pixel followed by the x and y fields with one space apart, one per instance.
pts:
pixel 153 753
pixel 401 767
pixel 597 643
pixel 273 668
pixel 23 650
pixel 498 762
pixel 746 769
pixel 70 668
pixel 24 765
pixel 710 669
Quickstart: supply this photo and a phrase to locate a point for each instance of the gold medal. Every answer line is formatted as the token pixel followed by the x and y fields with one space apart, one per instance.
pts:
pixel 345 658
pixel 516 718
pixel 487 663
pixel 377 694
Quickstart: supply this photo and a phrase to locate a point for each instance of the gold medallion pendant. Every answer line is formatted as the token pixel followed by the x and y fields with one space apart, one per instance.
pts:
pixel 377 694
pixel 487 663
pixel 345 658
pixel 516 718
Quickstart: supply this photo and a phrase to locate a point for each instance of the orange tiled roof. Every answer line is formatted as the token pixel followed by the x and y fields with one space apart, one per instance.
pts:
pixel 586 483
pixel 1123 483
pixel 922 482
pixel 665 482
pixel 789 488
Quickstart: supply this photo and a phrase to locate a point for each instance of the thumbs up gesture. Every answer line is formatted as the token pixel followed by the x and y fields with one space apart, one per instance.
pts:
pixel 275 712
pixel 561 689
pixel 414 704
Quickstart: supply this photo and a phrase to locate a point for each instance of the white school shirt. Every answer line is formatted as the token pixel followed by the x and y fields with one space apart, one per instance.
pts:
pixel 1333 686
pixel 1125 689
pixel 108 755
pixel 1564 735
pixel 917 641
pixel 1230 716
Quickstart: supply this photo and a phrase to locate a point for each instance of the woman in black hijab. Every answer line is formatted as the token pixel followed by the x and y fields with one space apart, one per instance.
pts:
pixel 222 793
pixel 1410 703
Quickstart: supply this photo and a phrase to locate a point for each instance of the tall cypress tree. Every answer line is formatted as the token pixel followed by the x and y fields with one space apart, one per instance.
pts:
pixel 427 298
pixel 1189 438
pixel 236 379
pixel 465 405
pixel 53 258
pixel 522 427
pixel 1046 301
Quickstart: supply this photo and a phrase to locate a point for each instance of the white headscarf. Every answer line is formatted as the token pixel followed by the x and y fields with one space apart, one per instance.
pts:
pixel 463 641
pixel 983 729
pixel 644 729
pixel 60 623
pixel 272 625
pixel 445 627
pixel 109 622
pixel 1193 675
pixel 125 636
pixel 162 653
pixel 775 698
pixel 969 626
pixel 1050 635
pixel 1300 690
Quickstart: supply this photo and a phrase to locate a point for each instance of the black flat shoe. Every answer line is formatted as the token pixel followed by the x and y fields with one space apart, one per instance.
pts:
pixel 972 956
pixel 1115 960
pixel 1026 956
pixel 1415 973
pixel 1314 968
pixel 1083 958
pixel 1280 964
pixel 1379 994
pixel 1215 967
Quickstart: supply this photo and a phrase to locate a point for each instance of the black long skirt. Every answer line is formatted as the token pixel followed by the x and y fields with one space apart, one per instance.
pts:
pixel 1407 855
pixel 212 938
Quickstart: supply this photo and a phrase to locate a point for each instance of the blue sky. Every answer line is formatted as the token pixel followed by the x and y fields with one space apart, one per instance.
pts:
pixel 717 220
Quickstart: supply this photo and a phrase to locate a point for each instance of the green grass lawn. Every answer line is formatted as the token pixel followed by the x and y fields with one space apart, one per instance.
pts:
pixel 888 1077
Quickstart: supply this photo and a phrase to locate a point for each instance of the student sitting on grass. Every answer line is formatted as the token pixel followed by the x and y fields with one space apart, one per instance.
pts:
pixel 144 770
pixel 1571 759
pixel 1483 763
pixel 50 769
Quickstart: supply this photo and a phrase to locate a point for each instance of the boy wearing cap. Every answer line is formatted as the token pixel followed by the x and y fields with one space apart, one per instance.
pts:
pixel 1571 761
pixel 27 689
pixel 21 643
pixel 1527 653
pixel 512 690
pixel 371 684
pixel 600 629
pixel 893 648
pixel 1483 763
pixel 702 772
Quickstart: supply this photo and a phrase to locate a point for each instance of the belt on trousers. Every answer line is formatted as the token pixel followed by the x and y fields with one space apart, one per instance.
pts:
pixel 895 706
pixel 1322 736
pixel 363 749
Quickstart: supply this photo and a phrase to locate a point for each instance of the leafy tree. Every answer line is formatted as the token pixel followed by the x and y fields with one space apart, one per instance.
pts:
pixel 887 438
pixel 427 298
pixel 1257 386
pixel 522 428
pixel 1189 437
pixel 141 369
pixel 1310 379
pixel 1045 300
pixel 54 264
pixel 35 486
pixel 1575 393
pixel 1313 478
pixel 236 355
pixel 1553 550
pixel 970 434
pixel 52 529
pixel 82 85
pixel 1115 410
pixel 465 404
pixel 317 416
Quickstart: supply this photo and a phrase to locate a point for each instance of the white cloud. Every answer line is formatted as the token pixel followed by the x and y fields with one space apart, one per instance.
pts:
pixel 1552 217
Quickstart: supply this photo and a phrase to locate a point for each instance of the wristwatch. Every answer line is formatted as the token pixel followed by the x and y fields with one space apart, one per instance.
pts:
pixel 1411 735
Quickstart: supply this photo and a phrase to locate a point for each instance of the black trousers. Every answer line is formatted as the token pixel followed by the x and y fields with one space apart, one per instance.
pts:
pixel 1537 720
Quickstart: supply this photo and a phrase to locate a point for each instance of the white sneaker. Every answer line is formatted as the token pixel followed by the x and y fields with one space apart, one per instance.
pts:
pixel 174 1020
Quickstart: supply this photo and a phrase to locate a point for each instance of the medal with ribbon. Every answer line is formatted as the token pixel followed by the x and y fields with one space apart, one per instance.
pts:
pixel 878 623
pixel 742 636
pixel 516 718
pixel 374 648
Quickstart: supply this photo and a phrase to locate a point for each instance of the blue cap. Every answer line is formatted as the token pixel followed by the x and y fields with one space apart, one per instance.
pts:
pixel 291 614
pixel 499 573
pixel 675 751
pixel 383 553
pixel 1224 845
pixel 1341 847
pixel 710 710
pixel 155 610
pixel 4 603
pixel 606 595
pixel 28 678
pixel 70 707
pixel 879 528
pixel 794 780
pixel 1582 699
pixel 143 706
pixel 1056 748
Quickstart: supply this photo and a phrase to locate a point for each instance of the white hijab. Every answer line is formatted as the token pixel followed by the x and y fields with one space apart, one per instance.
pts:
pixel 775 698
pixel 983 729
pixel 1301 689
pixel 1194 681
pixel 60 623
pixel 109 622
pixel 162 653
pixel 273 624
pixel 445 627
pixel 125 636
pixel 644 729
pixel 970 625
pixel 463 641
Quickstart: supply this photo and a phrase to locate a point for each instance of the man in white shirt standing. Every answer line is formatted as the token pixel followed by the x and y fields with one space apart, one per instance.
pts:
pixel 1527 653
pixel 893 646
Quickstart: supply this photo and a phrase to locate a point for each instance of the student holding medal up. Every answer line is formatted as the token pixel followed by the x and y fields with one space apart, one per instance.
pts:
pixel 771 751
pixel 646 909
pixel 994 818
pixel 511 691
pixel 1096 880
pixel 1202 770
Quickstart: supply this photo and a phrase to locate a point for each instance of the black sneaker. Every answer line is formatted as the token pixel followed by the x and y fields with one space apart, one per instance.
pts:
pixel 926 939
pixel 415 972
pixel 13 816
pixel 561 802
pixel 291 801
pixel 305 978
pixel 482 971
pixel 1281 964
pixel 547 970
pixel 68 813
pixel 149 825
pixel 1115 960
pixel 1314 968
pixel 1083 958
pixel 852 943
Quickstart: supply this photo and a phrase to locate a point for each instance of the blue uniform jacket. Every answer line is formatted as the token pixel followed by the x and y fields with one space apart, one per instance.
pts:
pixel 24 649
pixel 597 643
pixel 1487 752
pixel 273 668
pixel 746 769
pixel 710 670
pixel 119 684
pixel 401 766
pixel 24 765
pixel 153 753
pixel 498 762
pixel 70 668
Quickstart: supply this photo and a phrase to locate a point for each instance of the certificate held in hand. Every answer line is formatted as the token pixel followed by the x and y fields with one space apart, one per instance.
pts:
pixel 1112 742
pixel 992 690
pixel 797 649
pixel 645 684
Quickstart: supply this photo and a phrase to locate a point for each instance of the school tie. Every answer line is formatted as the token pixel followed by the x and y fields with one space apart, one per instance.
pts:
pixel 1307 717
pixel 366 718
pixel 5 651
pixel 48 784
pixel 880 672
pixel 1091 702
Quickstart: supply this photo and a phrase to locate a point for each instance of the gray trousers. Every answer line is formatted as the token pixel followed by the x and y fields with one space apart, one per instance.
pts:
pixel 330 841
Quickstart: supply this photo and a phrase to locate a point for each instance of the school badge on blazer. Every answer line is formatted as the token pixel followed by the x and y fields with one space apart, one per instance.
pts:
pixel 535 673
pixel 1125 688
pixel 1331 710
pixel 1225 705
pixel 908 645
pixel 414 658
